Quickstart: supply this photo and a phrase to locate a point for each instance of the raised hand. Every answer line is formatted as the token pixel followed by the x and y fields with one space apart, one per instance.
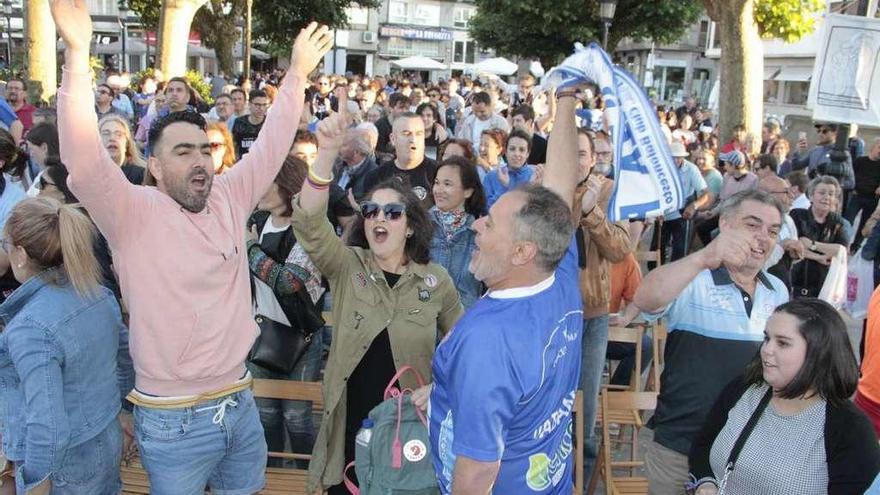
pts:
pixel 331 130
pixel 310 46
pixel 73 22
pixel 733 247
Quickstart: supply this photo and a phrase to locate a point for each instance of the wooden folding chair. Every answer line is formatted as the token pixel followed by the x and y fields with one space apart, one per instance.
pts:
pixel 578 442
pixel 652 256
pixel 659 335
pixel 629 335
pixel 614 403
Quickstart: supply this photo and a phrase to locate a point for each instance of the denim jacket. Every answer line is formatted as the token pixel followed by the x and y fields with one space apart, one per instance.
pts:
pixel 58 373
pixel 455 256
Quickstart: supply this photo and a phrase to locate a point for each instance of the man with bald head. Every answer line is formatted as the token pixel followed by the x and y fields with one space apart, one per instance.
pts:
pixel 787 248
pixel 410 164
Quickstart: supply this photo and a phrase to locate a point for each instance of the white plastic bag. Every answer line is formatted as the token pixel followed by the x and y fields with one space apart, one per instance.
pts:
pixel 834 289
pixel 859 285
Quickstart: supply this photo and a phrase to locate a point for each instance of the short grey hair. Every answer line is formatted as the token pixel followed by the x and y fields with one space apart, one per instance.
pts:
pixel 371 133
pixel 545 220
pixel 823 179
pixel 359 141
pixel 731 205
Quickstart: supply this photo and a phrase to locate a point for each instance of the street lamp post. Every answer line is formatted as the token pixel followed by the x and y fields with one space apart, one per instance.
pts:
pixel 7 11
pixel 123 17
pixel 606 14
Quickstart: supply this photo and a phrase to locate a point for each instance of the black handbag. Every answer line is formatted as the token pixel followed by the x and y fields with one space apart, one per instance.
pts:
pixel 280 347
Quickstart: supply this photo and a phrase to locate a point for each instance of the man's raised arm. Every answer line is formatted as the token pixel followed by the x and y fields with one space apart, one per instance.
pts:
pixel 256 170
pixel 561 170
pixel 98 183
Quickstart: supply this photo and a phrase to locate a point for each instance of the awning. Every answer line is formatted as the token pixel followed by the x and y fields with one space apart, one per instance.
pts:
pixel 795 74
pixel 499 66
pixel 418 63
pixel 770 72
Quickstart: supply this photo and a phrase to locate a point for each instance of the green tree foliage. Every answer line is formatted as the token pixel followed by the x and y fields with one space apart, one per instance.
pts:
pixel 218 30
pixel 194 78
pixel 147 10
pixel 788 20
pixel 278 21
pixel 548 29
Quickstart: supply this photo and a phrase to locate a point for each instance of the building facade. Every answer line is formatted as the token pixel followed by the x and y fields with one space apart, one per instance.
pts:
pixel 672 71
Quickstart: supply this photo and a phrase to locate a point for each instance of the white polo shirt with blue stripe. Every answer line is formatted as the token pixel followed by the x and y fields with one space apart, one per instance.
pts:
pixel 715 329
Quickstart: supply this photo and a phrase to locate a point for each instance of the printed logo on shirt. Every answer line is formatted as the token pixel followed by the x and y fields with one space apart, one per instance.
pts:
pixel 246 143
pixel 545 470
pixel 420 192
pixel 556 418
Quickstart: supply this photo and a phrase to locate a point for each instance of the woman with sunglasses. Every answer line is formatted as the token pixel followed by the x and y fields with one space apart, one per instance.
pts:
pixel 58 356
pixel 222 147
pixel 458 201
pixel 391 305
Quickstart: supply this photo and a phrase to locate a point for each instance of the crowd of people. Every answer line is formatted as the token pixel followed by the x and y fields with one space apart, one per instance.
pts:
pixel 160 253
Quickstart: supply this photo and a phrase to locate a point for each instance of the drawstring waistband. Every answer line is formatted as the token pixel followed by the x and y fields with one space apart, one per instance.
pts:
pixel 221 409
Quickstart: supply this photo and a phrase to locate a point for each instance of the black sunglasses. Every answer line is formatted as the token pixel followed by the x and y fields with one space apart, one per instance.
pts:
pixel 392 211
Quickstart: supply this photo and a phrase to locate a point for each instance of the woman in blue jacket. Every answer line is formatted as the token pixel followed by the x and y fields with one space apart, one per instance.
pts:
pixel 58 355
pixel 514 172
pixel 458 201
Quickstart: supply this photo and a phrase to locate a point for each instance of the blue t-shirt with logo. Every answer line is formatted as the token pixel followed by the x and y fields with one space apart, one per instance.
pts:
pixel 504 385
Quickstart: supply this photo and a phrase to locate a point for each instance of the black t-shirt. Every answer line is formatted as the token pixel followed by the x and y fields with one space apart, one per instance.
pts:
pixel 321 105
pixel 421 179
pixel 244 133
pixel 539 150
pixel 867 174
pixel 366 385
pixel 134 173
pixel 809 274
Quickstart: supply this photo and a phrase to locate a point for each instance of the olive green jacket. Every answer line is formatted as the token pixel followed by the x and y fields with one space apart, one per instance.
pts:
pixel 422 302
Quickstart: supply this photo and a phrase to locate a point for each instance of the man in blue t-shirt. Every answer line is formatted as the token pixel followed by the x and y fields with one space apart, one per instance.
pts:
pixel 506 375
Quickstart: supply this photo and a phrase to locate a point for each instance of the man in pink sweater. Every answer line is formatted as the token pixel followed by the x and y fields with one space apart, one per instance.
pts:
pixel 178 249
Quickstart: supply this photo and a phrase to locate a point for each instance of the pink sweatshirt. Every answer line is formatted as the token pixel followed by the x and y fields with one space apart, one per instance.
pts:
pixel 184 276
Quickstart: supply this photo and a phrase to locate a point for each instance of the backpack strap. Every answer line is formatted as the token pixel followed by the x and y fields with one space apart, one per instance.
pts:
pixel 352 488
pixel 400 373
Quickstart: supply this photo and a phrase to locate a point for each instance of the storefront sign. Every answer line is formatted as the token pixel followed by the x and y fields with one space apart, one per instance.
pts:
pixel 415 33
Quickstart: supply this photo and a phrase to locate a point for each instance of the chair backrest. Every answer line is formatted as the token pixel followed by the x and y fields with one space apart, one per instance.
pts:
pixel 289 390
pixel 626 335
pixel 628 401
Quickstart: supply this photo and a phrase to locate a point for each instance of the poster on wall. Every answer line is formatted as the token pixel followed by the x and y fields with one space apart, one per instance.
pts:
pixel 846 78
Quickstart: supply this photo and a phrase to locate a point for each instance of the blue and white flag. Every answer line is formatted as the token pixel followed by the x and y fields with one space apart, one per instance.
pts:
pixel 646 180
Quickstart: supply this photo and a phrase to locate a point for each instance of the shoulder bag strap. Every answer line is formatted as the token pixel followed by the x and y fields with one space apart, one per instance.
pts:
pixel 743 437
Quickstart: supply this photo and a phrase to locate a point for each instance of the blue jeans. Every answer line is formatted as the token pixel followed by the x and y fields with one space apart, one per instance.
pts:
pixel 595 342
pixel 218 443
pixel 626 354
pixel 292 416
pixel 91 468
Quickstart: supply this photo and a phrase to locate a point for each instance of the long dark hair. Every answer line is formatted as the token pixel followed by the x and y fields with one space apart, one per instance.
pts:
pixel 470 179
pixel 830 369
pixel 14 159
pixel 418 245
pixel 57 171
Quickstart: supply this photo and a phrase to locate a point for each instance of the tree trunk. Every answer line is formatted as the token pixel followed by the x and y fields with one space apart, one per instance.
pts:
pixel 223 47
pixel 741 99
pixel 174 27
pixel 41 56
